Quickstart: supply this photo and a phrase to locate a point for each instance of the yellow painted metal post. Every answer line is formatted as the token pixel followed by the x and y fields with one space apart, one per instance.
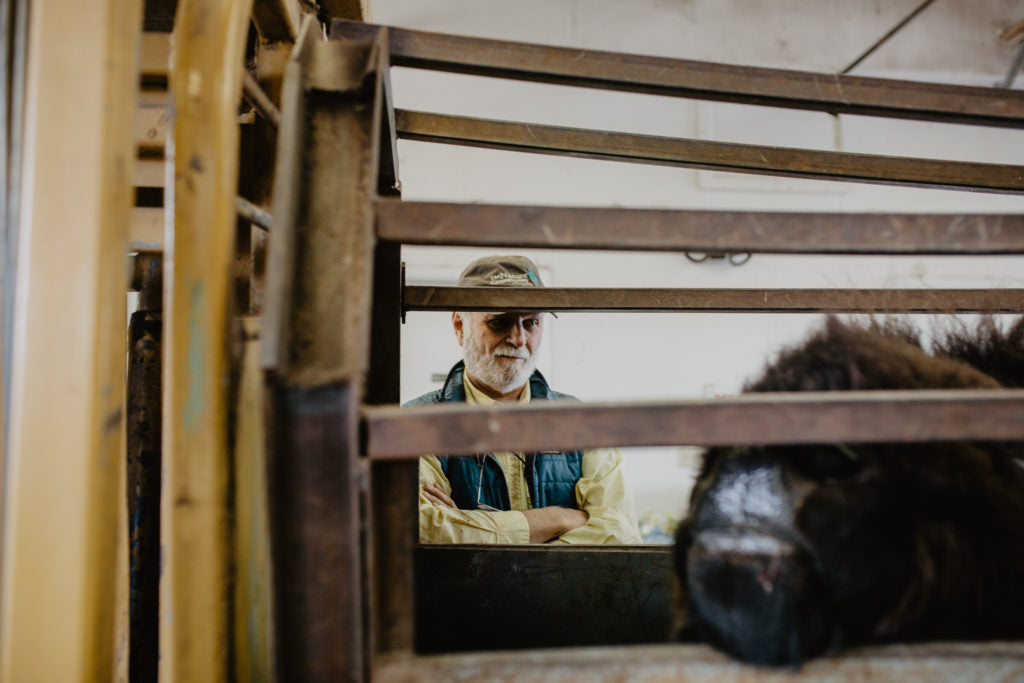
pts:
pixel 59 569
pixel 253 632
pixel 206 62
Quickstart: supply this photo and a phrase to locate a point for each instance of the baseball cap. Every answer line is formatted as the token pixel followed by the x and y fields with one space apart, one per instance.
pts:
pixel 501 271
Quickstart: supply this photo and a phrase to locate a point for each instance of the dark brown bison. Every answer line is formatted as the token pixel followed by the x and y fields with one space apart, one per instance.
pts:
pixel 791 551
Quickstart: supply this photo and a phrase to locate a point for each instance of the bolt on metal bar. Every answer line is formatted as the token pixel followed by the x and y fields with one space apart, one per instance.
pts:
pixel 836 94
pixel 942 301
pixel 259 216
pixel 547 227
pixel 259 99
pixel 703 154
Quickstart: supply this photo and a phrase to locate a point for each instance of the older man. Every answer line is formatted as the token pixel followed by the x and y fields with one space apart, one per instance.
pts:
pixel 551 496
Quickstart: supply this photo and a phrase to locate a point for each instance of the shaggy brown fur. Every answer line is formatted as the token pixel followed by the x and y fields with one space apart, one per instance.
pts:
pixel 789 551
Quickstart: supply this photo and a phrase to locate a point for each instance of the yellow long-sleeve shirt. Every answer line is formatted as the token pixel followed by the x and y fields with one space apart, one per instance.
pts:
pixel 601 492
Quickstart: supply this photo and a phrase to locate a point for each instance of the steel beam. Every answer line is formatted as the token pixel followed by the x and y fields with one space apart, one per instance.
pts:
pixel 63 482
pixel 804 417
pixel 699 80
pixel 430 298
pixel 706 154
pixel 554 227
pixel 206 85
pixel 144 426
pixel 316 351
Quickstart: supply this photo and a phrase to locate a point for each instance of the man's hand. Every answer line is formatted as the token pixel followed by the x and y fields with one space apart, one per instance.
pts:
pixel 438 496
pixel 551 522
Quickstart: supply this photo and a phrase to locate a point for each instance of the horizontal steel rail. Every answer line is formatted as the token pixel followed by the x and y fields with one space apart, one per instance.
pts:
pixel 709 155
pixel 546 227
pixel 431 298
pixel 699 80
pixel 779 418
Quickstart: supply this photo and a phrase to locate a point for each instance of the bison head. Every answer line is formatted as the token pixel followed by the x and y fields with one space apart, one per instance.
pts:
pixel 789 551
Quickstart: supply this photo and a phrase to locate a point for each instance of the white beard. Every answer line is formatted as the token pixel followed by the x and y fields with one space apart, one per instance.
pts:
pixel 496 374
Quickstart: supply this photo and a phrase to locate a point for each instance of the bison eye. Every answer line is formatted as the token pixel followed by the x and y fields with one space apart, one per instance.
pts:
pixel 823 463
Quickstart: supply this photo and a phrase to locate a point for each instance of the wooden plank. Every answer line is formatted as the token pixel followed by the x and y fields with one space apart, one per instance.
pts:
pixel 59 603
pixel 429 298
pixel 547 227
pixel 550 596
pixel 805 417
pixel 205 84
pixel 920 663
pixel 706 154
pixel 832 93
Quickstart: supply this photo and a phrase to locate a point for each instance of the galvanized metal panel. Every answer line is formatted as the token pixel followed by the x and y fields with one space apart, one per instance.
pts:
pixel 700 80
pixel 706 154
pixel 802 417
pixel 548 227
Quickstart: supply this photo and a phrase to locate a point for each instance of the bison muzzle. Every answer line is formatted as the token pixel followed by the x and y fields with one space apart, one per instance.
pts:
pixel 788 552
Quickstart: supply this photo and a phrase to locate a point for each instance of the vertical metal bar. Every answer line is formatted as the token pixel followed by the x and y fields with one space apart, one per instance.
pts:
pixel 58 571
pixel 15 32
pixel 144 426
pixel 316 352
pixel 394 511
pixel 210 39
pixel 253 648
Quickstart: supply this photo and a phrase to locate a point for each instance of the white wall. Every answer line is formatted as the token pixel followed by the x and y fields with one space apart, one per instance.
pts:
pixel 620 356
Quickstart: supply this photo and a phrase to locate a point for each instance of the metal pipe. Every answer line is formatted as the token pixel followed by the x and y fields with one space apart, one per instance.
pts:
pixel 257 215
pixel 259 99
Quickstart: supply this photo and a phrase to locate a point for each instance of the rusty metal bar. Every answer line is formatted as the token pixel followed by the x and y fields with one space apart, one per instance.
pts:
pixel 254 93
pixel 394 514
pixel 805 417
pixel 705 154
pixel 317 346
pixel 699 80
pixel 489 225
pixel 144 425
pixel 256 215
pixel 701 664
pixel 432 298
